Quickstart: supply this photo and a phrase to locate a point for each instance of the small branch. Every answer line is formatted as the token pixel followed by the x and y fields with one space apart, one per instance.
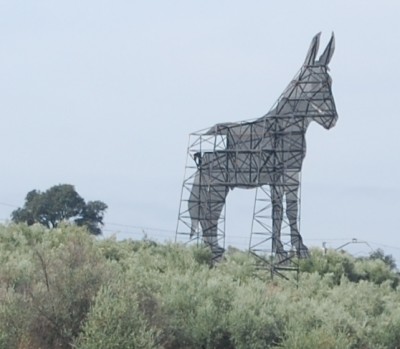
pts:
pixel 44 268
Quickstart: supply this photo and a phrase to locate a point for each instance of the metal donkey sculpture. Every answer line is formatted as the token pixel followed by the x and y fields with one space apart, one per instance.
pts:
pixel 266 151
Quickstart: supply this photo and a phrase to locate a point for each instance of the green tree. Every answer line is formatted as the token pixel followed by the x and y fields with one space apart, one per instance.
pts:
pixel 387 259
pixel 60 203
pixel 92 216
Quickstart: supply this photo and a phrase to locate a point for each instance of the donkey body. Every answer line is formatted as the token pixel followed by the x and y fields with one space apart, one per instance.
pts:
pixel 267 151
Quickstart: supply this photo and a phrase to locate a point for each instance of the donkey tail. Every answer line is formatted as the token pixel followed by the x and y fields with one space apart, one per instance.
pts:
pixel 194 226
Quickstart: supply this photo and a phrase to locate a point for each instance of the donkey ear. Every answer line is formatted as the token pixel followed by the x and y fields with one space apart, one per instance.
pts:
pixel 312 51
pixel 328 53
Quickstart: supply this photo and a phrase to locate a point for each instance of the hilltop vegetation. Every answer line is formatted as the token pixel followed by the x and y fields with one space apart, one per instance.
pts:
pixel 63 288
pixel 58 204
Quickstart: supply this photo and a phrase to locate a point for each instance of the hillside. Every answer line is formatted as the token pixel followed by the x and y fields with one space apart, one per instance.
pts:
pixel 63 288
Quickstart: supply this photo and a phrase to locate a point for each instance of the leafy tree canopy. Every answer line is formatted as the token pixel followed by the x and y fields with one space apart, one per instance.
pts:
pixel 387 259
pixel 60 202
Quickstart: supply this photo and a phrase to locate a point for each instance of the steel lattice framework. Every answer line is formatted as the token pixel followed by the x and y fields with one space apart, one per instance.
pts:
pixel 267 154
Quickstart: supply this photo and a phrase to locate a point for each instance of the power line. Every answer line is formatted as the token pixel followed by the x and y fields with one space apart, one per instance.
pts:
pixel 139 227
pixel 386 246
pixel 145 229
pixel 7 204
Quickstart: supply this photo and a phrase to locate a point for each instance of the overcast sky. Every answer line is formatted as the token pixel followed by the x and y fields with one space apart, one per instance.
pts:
pixel 103 95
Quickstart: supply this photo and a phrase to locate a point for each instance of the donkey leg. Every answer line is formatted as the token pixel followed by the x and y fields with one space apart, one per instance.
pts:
pixel 215 201
pixel 277 216
pixel 210 238
pixel 292 200
pixel 195 205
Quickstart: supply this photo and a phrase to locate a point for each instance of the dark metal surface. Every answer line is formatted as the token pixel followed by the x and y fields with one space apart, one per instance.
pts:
pixel 266 153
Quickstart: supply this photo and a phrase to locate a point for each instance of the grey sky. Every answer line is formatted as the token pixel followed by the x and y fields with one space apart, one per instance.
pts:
pixel 103 95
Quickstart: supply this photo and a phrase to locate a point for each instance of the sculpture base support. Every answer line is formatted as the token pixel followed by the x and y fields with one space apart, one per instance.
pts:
pixel 277 255
pixel 187 232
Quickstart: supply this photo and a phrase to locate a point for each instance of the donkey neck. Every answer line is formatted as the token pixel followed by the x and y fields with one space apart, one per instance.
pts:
pixel 283 120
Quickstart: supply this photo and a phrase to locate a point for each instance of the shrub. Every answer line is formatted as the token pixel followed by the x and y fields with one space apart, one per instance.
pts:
pixel 115 321
pixel 62 288
pixel 254 321
pixel 340 264
pixel 51 275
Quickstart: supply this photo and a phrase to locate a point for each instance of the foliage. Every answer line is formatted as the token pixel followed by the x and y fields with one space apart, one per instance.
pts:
pixel 91 216
pixel 116 321
pixel 47 283
pixel 387 259
pixel 65 289
pixel 59 203
pixel 340 264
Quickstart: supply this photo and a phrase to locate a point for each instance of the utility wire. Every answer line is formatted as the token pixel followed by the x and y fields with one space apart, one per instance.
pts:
pixel 146 229
pixel 7 204
pixel 139 227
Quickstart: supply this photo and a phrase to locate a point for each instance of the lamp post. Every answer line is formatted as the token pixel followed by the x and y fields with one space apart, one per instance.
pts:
pixel 353 241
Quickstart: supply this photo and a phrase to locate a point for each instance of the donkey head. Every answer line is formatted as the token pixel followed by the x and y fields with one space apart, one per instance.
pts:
pixel 309 95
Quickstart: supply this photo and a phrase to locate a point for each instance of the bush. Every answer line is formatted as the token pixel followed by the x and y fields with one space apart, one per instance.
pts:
pixel 115 321
pixel 52 277
pixel 195 308
pixel 62 288
pixel 254 320
pixel 340 264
